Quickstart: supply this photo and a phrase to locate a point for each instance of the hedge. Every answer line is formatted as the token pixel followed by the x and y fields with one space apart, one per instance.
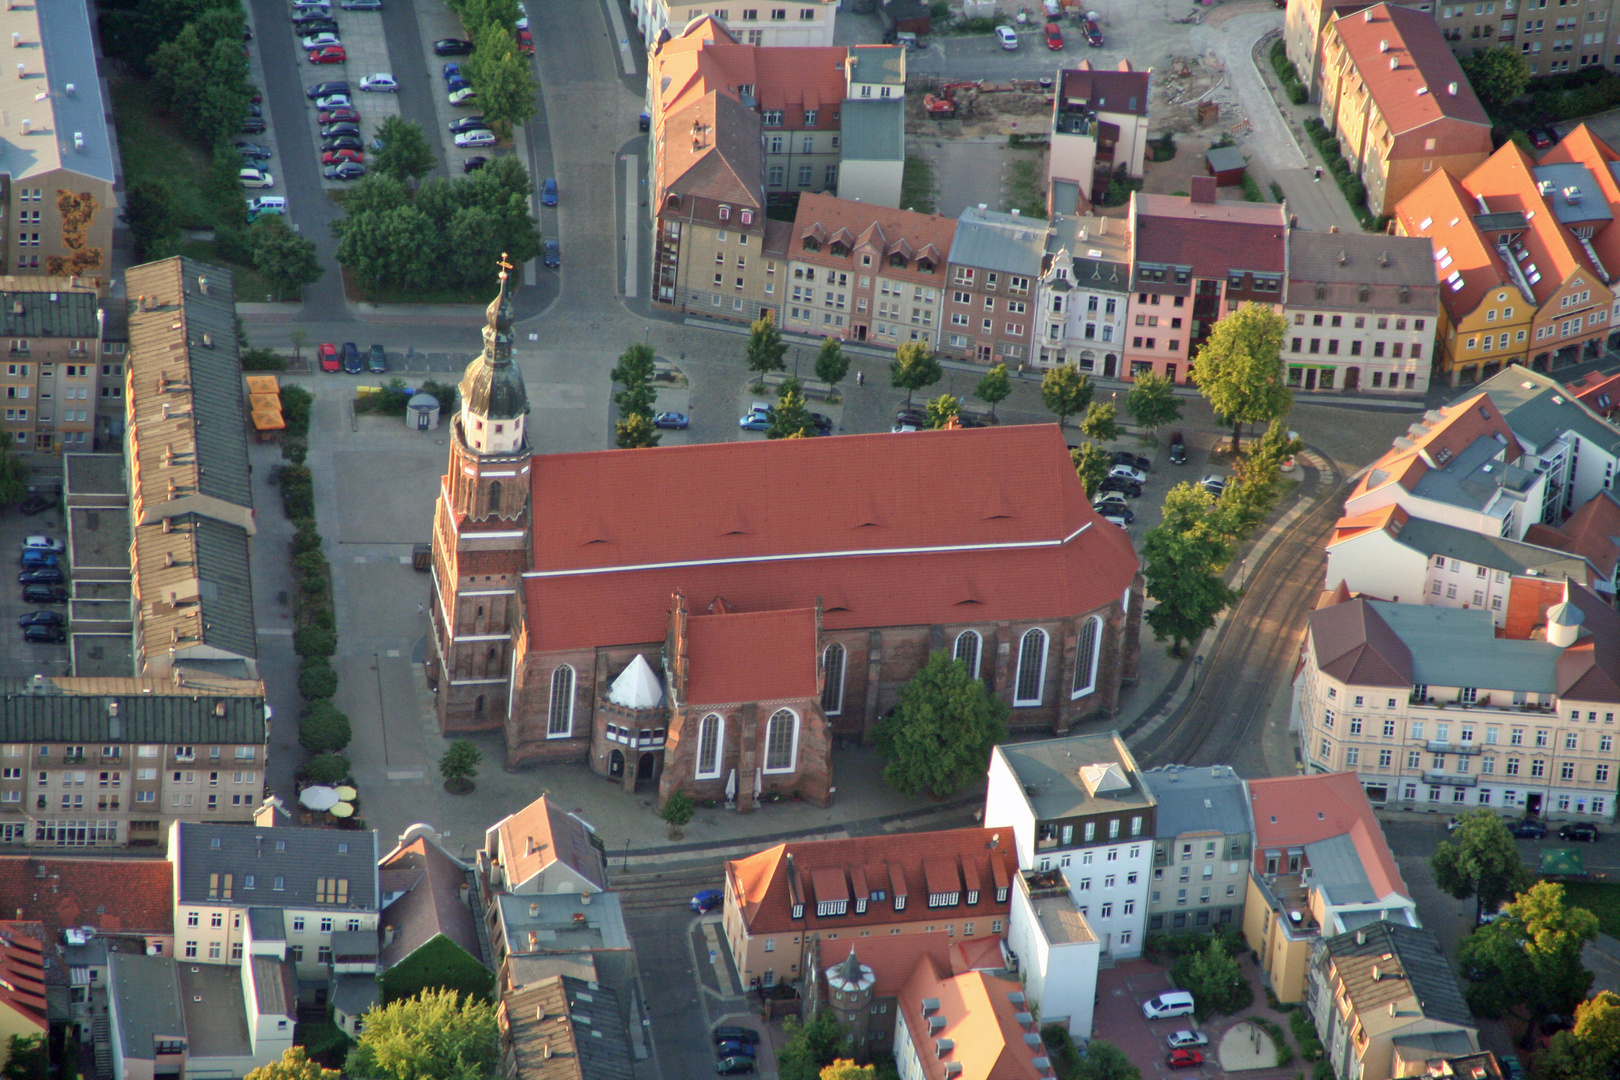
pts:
pixel 324 728
pixel 1355 192
pixel 327 768
pixel 297 491
pixel 314 641
pixel 316 679
pixel 1298 93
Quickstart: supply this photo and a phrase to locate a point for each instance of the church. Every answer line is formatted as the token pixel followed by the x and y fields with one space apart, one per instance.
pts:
pixel 711 618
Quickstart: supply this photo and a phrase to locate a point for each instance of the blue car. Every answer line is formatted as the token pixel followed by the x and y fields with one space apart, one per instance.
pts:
pixel 755 421
pixel 452 70
pixel 553 257
pixel 548 193
pixel 707 900
pixel 671 420
pixel 734 1049
pixel 351 358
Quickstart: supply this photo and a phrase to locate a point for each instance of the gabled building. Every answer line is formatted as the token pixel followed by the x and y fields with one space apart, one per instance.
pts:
pixel 1084 290
pixel 537 935
pixel 1099 126
pixel 972 1026
pixel 563 1028
pixel 996 261
pixel 1591 533
pixel 132 897
pixel 805 25
pixel 430 934
pixel 1321 867
pixel 542 849
pixel 1598 392
pixel 1201 844
pixel 1398 102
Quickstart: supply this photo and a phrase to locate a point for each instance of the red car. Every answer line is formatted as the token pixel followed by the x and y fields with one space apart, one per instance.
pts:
pixel 329 357
pixel 525 42
pixel 1054 36
pixel 333 157
pixel 338 116
pixel 1185 1059
pixel 331 54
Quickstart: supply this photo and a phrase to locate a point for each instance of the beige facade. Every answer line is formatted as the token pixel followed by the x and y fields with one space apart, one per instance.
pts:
pixel 802 23
pixel 51 380
pixel 725 272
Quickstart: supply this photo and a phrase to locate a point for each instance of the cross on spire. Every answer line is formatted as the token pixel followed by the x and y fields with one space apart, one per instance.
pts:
pixel 504 265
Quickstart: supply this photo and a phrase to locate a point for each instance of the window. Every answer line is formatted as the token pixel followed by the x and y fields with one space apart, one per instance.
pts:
pixel 832 670
pixel 1031 668
pixel 967 651
pixel 710 733
pixel 1085 658
pixel 560 723
pixel 781 741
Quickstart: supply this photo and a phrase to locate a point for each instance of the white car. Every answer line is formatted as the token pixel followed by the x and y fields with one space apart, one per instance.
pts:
pixel 333 101
pixel 1108 499
pixel 41 543
pixel 480 137
pixel 464 96
pixel 1115 515
pixel 322 40
pixel 256 178
pixel 382 83
pixel 1007 36
pixel 1127 472
pixel 1182 1039
pixel 1214 483
pixel 311 6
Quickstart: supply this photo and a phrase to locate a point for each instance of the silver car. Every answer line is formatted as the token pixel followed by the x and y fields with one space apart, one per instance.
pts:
pixel 1183 1039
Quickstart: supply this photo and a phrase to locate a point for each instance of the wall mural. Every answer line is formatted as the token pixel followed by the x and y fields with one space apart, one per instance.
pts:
pixel 77 211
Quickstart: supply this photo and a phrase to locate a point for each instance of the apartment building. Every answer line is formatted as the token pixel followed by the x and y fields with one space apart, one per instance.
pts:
pixel 799 901
pixel 1397 100
pixel 1362 312
pixel 1431 709
pixel 1079 805
pixel 995 264
pixel 1099 125
pixel 542 849
pixel 1056 951
pixel 970 1024
pixel 166 1017
pixel 563 1028
pixel 52 383
pixel 806 24
pixel 1591 533
pixel 872 126
pixel 1194 259
pixel 1200 848
pixel 867 273
pixel 1321 867
pixel 1084 290
pixel 57 200
pixel 1386 1004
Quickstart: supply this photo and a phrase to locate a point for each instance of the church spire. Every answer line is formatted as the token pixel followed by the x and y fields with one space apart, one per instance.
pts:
pixel 492 390
pixel 498 322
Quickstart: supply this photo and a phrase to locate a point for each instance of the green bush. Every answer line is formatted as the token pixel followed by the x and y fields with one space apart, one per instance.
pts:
pixel 327 768
pixel 1276 192
pixel 262 360
pixel 314 641
pixel 297 491
pixel 678 809
pixel 1298 94
pixel 305 538
pixel 1310 1047
pixel 1251 189
pixel 295 405
pixel 1285 1052
pixel 311 563
pixel 316 679
pixel 974 26
pixel 324 728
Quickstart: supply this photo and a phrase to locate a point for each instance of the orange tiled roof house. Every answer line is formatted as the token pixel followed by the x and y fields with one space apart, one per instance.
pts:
pixel 721 650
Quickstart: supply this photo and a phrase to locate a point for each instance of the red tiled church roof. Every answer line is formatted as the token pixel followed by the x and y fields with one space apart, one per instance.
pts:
pixel 751 656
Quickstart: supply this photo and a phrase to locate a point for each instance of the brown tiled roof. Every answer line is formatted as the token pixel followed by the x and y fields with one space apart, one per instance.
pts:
pixel 1375 36
pixel 1589 670
pixel 1592 532
pixel 540 834
pixel 884 230
pixel 751 656
pixel 1443 210
pixel 491 562
pixel 908 865
pixel 1210 237
pixel 711 150
pixel 432 906
pixel 132 896
pixel 1598 392
pixel 1356 646
pixel 893 957
pixel 983 1033
pixel 1106 91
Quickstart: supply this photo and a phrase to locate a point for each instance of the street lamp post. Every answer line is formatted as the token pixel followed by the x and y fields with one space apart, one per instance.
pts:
pixel 1198 664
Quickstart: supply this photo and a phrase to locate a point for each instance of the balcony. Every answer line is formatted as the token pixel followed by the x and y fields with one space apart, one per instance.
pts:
pixel 1437 746
pixel 1436 779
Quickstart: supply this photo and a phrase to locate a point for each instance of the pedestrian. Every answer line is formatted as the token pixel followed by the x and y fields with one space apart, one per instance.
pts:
pixel 1318 178
pixel 860 378
pixel 421 609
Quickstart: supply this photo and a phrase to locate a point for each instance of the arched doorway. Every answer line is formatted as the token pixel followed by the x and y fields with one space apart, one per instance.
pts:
pixel 647 768
pixel 616 765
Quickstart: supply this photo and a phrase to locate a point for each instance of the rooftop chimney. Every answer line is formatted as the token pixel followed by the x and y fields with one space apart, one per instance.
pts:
pixel 1451 88
pixel 1203 189
pixel 1383 46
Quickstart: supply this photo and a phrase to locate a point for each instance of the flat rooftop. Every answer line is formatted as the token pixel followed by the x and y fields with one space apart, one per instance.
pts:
pixel 99 541
pixel 1054 775
pixel 95 474
pixel 216 1017
pixel 103 655
pixel 1059 916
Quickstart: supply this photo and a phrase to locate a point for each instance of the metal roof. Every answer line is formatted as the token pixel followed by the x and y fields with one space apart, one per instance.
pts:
pixel 1337 870
pixel 873 130
pixel 1049 772
pixel 1198 800
pixel 66 314
pixel 146 990
pixel 1540 411
pixel 60 93
pixel 261 856
pixel 1455 647
pixel 74 711
pixel 1474 477
pixel 992 240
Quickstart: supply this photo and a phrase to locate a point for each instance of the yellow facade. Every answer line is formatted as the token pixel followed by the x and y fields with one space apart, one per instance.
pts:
pixel 1285 959
pixel 1475 343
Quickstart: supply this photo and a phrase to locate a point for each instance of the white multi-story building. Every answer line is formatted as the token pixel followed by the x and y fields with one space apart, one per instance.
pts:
pixel 1078 804
pixel 1083 294
pixel 807 22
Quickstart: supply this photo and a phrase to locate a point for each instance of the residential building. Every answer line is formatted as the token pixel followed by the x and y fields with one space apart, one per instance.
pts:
pixel 1084 290
pixel 541 849
pixel 863 989
pixel 563 1028
pixel 353 988
pixel 114 352
pixel 1598 392
pixel 430 933
pixel 1079 805
pixel 866 273
pixel 1193 260
pixel 1389 555
pixel 1386 1004
pixel 1201 844
pixel 1433 710
pixel 1592 533
pixel 1057 951
pixel 1460 465
pixel 1099 126
pixel 872 128
pixel 1305 23
pixel 537 935
pixel 975 1026
pixel 1398 102
pixel 804 25
pixel 783 902
pixel 52 373
pixel 995 262
pixel 57 196
pixel 125 896
pixel 1599 184
pixel 1315 874
pixel 1361 310
pixel 270 889
pixel 114 762
pixel 24 1010
pixel 1574 447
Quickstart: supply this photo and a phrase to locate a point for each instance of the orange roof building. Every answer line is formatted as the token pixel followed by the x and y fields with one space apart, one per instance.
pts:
pixel 1398 102
pixel 969 1026
pixel 542 849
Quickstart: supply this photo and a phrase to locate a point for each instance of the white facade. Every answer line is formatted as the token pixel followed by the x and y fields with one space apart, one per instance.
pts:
pixel 807 22
pixel 1504 513
pixel 876 183
pixel 1390 351
pixel 1057 957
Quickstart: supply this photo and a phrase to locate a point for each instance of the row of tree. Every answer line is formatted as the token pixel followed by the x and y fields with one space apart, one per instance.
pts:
pixel 497 69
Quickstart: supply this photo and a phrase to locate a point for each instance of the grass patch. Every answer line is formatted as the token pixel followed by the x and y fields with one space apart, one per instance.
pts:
pixel 153 148
pixel 251 288
pixel 917 185
pixel 1027 192
pixel 1601 900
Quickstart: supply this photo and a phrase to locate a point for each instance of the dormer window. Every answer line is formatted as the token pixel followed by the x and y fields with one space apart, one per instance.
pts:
pixel 838 250
pixel 812 244
pixel 747 217
pixel 772 117
pixel 725 213
pixel 746 90
pixel 925 266
pixel 898 261
pixel 810 118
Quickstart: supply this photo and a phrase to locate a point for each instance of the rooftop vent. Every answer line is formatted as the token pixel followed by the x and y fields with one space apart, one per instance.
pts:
pixel 1383 46
pixel 1451 88
pixel 1572 195
pixel 1394 63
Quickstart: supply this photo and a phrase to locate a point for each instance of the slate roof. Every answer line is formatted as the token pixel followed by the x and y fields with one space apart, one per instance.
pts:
pixel 751 656
pixel 541 834
pixel 1410 964
pixel 1575 196
pixel 1368 259
pixel 1425 60
pixel 1438 440
pixel 1540 410
pixel 433 906
pixel 69 313
pixel 992 240
pixel 85 710
pixel 264 853
pixel 561 1028
pixel 873 129
pixel 1212 238
pixel 1458 647
pixel 1433 538
pixel 1198 800
pixel 567 922
pixel 147 989
pixel 66 55
pixel 1592 532
pixel 1100 259
pixel 354 993
pixel 134 896
pixel 1048 771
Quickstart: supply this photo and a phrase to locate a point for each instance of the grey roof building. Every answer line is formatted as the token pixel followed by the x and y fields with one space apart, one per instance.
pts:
pixel 36 314
pixel 873 131
pixel 1203 838
pixel 144 1007
pixel 279 867
pixel 1496 552
pixel 1373 260
pixel 542 934
pixel 1572 444
pixel 563 1029
pixel 129 711
pixel 993 240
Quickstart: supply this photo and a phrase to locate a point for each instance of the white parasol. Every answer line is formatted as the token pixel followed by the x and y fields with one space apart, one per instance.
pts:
pixel 318 798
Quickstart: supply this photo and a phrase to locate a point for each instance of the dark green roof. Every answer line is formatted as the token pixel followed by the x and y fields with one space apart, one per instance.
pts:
pixel 226 583
pixel 49 315
pixel 49 715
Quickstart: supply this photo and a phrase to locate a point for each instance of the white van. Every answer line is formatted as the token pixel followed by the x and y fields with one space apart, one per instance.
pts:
pixel 266 204
pixel 1170 1003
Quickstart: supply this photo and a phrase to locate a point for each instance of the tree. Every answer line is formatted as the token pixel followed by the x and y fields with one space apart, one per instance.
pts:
pixel 940 734
pixel 1152 401
pixel 1181 560
pixel 635 432
pixel 846 1069
pixel 914 366
pixel 1530 957
pixel 297 336
pixel 29 1059
pixel 405 153
pixel 435 1036
pixel 1497 76
pixel 831 363
pixel 327 768
pixel 324 728
pixel 1480 860
pixel 994 388
pixel 504 81
pixel 1091 464
pixel 1065 391
pixel 13 474
pixel 941 409
pixel 1214 978
pixel 811 1047
pixel 1105 1061
pixel 1252 491
pixel 459 764
pixel 286 259
pixel 1588 1052
pixel 294 1065
pixel 765 347
pixel 1101 422
pixel 153 221
pixel 634 372
pixel 1238 370
pixel 790 419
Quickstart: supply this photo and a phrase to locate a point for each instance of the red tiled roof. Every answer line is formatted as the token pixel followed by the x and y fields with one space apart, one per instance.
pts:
pixel 938 527
pixel 893 957
pixel 1106 91
pixel 877 230
pixel 981 1022
pixel 131 896
pixel 1441 209
pixel 1413 39
pixel 751 656
pixel 1589 670
pixel 1390 518
pixel 539 835
pixel 1460 425
pixel 1507 183
pixel 909 865
pixel 1598 392
pixel 22 974
pixel 1592 532
pixel 1212 238
pixel 1356 646
pixel 1283 818
pixel 1583 147
pixel 791 79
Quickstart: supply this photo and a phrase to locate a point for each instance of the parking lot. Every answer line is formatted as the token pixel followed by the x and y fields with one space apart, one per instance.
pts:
pixel 20 658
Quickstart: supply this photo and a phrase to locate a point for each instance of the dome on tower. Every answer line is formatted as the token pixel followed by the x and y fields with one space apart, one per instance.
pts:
pixel 492 386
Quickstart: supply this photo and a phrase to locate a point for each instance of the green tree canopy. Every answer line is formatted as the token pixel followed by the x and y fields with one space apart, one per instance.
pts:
pixel 846 1069
pixel 1480 860
pixel 1152 401
pixel 1529 959
pixel 790 418
pixel 1239 371
pixel 1101 422
pixel 1065 391
pixel 765 346
pixel 284 258
pixel 1592 1049
pixel 325 727
pixel 1252 490
pixel 405 153
pixel 460 760
pixel 811 1047
pixel 1214 979
pixel 914 366
pixel 941 409
pixel 13 474
pixel 1091 464
pixel 503 79
pixel 1105 1061
pixel 831 363
pixel 153 218
pixel 994 388
pixel 634 372
pixel 294 1065
pixel 435 1036
pixel 940 734
pixel 635 432
pixel 29 1059
pixel 1181 560
pixel 1497 75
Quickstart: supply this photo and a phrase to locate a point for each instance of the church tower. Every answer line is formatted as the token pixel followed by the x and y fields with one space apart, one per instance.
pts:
pixel 481 535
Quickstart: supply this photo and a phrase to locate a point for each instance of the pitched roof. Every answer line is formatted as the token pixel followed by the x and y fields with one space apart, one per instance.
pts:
pixel 196 586
pixel 1282 819
pixel 432 906
pixel 22 973
pixel 1431 538
pixel 1417 91
pixel 996 241
pixel 1360 259
pixel 876 228
pixel 1583 146
pixel 562 1028
pixel 751 656
pixel 1440 440
pixel 1597 391
pixel 892 957
pixel 1592 532
pixel 1354 645
pixel 1212 238
pixel 1506 183
pixel 956 526
pixel 112 710
pixel 711 149
pixel 539 835
pixel 1443 210
pixel 66 311
pixel 1459 647
pixel 1105 91
pixel 113 895
pixel 1198 800
pixel 275 866
pixel 706 58
pixel 1387 965
pixel 987 1030
pixel 1589 670
pixel 70 117
pixel 1540 411
pixel 766 885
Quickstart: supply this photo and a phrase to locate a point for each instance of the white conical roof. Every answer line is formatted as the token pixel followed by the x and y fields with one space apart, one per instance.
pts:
pixel 637 687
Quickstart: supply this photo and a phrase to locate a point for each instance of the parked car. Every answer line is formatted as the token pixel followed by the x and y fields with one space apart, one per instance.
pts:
pixel 553 254
pixel 332 54
pixel 44 594
pixel 1135 461
pixel 1125 487
pixel 327 89
pixel 334 101
pixel 321 40
pixel 254 126
pixel 312 5
pixel 1527 829
pixel 456 83
pixel 351 358
pixel 345 115
pixel 1181 1040
pixel 315 24
pixel 475 122
pixel 707 900
pixel 481 137
pixel 377 360
pixel 452 70
pixel 342 142
pixel 382 83
pixel 40 618
pixel 1007 36
pixel 755 421
pixel 1178 449
pixel 1511 1069
pixel 1542 136
pixel 474 163
pixel 1127 472
pixel 548 192
pixel 361 5
pixel 525 42
pixel 255 178
pixel 1093 33
pixel 1108 498
pixel 1054 36
pixel 329 357
pixel 304 18
pixel 1214 483
pixel 341 127
pixel 34 559
pixel 1579 830
pixel 34 504
pixel 731 1066
pixel 734 1049
pixel 252 149
pixel 344 170
pixel 45 575
pixel 823 422
pixel 673 420
pixel 463 95
pixel 42 543
pixel 452 47
pixel 1117 515
pixel 1184 1059
pixel 45 634
pixel 735 1033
